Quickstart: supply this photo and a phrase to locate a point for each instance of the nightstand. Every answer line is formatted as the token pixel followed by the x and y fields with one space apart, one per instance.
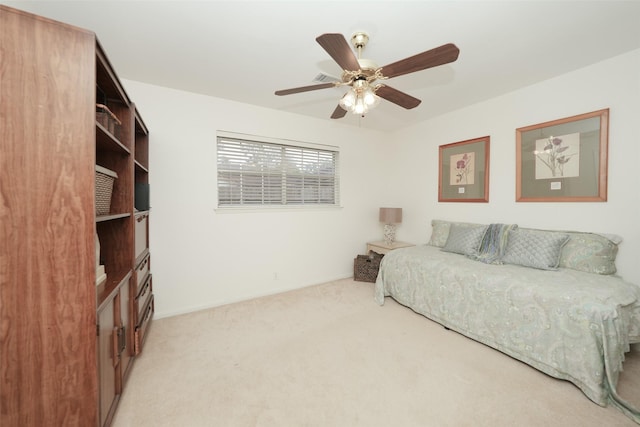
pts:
pixel 382 248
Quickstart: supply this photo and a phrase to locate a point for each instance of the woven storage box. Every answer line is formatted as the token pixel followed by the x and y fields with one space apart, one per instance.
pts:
pixel 104 187
pixel 108 120
pixel 365 267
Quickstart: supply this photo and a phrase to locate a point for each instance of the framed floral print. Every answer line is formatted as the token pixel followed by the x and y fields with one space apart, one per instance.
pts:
pixel 563 160
pixel 464 171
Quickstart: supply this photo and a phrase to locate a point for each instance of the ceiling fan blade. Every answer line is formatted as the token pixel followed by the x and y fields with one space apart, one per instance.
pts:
pixel 338 113
pixel 337 47
pixel 431 58
pixel 304 89
pixel 397 97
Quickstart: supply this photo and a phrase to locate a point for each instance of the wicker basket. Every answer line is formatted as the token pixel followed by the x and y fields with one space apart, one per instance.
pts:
pixel 104 187
pixel 108 120
pixel 365 267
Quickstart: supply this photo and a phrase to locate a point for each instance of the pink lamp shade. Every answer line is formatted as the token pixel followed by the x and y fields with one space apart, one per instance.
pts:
pixel 391 215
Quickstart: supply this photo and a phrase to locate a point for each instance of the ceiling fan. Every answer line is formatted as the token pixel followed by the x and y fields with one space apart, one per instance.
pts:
pixel 362 74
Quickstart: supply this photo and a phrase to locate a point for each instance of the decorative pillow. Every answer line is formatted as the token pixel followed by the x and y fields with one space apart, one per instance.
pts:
pixel 593 253
pixel 537 249
pixel 464 240
pixel 494 243
pixel 440 231
pixel 589 252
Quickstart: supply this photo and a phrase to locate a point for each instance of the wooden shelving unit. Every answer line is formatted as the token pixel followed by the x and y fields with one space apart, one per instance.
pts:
pixel 67 344
pixel 143 301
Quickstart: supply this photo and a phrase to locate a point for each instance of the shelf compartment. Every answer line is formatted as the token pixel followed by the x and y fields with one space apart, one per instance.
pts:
pixel 111 217
pixel 116 250
pixel 141 135
pixel 120 162
pixel 140 167
pixel 108 120
pixel 106 78
pixel 105 141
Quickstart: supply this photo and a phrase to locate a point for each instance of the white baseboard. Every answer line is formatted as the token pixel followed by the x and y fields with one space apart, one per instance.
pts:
pixel 162 314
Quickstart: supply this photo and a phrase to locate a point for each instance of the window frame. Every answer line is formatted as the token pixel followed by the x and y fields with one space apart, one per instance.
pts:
pixel 298 152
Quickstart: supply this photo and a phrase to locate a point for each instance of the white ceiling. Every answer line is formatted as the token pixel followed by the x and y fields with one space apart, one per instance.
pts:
pixel 244 51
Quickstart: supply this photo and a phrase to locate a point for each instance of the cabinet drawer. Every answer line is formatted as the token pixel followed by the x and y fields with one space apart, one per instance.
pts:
pixel 143 326
pixel 142 229
pixel 141 272
pixel 144 292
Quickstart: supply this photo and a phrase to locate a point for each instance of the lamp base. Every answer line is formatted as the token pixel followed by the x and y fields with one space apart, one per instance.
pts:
pixel 389 234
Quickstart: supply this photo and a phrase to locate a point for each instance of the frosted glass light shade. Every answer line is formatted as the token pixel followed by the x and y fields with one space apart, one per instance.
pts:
pixel 348 100
pixel 360 98
pixel 370 98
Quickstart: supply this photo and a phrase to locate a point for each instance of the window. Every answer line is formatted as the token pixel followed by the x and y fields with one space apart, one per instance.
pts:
pixel 255 171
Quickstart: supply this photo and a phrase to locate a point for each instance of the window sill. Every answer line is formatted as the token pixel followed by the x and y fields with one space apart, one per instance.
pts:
pixel 265 209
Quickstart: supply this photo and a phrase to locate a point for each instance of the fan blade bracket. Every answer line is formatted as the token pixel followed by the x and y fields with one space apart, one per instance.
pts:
pixel 377 75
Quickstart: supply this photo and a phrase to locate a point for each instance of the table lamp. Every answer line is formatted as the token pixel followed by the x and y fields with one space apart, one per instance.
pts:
pixel 390 217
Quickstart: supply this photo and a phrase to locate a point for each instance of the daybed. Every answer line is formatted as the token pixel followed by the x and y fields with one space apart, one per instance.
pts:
pixel 550 299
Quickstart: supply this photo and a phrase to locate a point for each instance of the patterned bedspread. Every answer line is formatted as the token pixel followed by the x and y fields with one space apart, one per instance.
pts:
pixel 569 324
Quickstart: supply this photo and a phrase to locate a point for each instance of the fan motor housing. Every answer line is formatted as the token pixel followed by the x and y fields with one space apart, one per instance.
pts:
pixel 367 70
pixel 359 39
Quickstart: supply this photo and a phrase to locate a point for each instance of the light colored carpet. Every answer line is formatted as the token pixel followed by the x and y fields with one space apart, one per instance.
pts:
pixel 327 355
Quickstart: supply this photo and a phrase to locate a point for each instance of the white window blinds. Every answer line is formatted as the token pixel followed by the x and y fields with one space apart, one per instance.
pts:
pixel 257 173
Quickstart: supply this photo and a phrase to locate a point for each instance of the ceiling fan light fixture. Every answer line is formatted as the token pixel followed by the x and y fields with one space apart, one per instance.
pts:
pixel 361 74
pixel 360 98
pixel 348 100
pixel 370 98
pixel 360 107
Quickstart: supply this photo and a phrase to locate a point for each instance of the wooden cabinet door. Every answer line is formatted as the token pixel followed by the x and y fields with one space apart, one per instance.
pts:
pixel 108 360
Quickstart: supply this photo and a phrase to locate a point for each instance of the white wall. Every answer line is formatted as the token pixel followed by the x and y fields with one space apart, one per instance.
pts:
pixel 202 258
pixel 613 84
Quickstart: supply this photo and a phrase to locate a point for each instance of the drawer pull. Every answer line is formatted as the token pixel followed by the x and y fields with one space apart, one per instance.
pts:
pixel 147 314
pixel 144 290
pixel 145 287
pixel 143 264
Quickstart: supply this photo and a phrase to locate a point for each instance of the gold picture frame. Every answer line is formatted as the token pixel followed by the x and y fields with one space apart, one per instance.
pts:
pixel 464 171
pixel 563 160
